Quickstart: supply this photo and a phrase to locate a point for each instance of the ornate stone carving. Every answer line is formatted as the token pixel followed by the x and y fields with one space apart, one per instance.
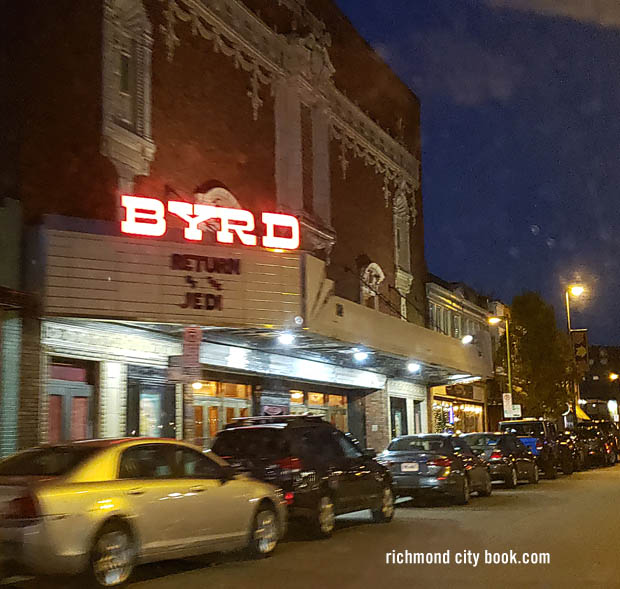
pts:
pixel 268 56
pixel 256 51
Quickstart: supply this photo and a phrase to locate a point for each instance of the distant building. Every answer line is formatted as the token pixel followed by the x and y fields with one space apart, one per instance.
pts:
pixel 457 311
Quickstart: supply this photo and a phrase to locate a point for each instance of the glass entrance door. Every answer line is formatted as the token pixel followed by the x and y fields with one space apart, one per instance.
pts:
pixel 220 403
pixel 398 415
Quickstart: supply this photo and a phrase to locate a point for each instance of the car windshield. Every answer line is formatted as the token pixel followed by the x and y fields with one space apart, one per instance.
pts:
pixel 533 429
pixel 251 442
pixel 478 440
pixel 416 444
pixel 53 461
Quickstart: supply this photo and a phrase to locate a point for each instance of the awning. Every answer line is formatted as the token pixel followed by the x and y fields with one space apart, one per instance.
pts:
pixel 581 414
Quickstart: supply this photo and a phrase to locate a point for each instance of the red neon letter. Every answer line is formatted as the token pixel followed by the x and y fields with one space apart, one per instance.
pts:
pixel 273 220
pixel 144 216
pixel 243 229
pixel 193 215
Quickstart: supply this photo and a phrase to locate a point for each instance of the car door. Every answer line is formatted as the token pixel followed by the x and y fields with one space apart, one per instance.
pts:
pixel 216 506
pixel 334 465
pixel 364 486
pixel 152 497
pixel 474 467
pixel 525 458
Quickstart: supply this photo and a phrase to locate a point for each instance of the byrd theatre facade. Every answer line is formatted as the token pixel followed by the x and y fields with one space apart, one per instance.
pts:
pixel 272 338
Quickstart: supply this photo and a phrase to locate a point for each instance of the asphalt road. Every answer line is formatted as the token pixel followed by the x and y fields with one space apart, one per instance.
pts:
pixel 576 520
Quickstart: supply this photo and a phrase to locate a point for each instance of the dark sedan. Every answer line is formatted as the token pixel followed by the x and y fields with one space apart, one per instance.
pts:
pixel 508 459
pixel 436 463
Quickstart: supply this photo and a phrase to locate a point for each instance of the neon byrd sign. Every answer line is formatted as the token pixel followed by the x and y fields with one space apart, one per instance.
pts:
pixel 147 216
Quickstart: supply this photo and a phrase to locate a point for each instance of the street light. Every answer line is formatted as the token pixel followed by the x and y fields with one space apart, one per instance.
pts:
pixel 575 290
pixel 496 321
pixel 613 376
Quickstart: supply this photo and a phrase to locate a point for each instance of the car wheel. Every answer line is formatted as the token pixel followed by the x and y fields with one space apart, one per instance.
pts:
pixel 550 471
pixel 567 466
pixel 264 535
pixel 512 479
pixel 534 475
pixel 113 556
pixel 487 488
pixel 385 513
pixel 462 498
pixel 325 517
pixel 613 458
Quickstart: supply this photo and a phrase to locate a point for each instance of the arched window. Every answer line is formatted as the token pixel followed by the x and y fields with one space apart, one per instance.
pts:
pixel 371 278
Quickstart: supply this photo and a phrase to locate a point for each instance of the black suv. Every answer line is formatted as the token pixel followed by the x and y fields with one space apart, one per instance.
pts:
pixel 322 472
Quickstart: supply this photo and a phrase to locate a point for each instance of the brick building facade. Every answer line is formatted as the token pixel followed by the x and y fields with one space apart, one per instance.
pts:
pixel 256 105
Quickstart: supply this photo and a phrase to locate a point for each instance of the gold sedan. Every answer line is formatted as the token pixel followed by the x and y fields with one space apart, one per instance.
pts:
pixel 100 507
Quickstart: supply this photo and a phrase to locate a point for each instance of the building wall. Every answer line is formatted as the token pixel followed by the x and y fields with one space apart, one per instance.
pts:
pixel 253 120
pixel 10 346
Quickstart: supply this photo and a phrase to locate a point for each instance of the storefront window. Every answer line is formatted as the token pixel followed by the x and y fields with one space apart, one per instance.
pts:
pixel 241 391
pixel 207 389
pixel 297 397
pixel 337 401
pixel 316 399
pixel 457 416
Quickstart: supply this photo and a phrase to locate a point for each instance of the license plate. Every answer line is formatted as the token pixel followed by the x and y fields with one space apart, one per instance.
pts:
pixel 409 467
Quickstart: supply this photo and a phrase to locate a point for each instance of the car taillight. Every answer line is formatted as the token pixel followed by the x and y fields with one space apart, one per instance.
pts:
pixel 25 507
pixel 497 455
pixel 539 445
pixel 289 464
pixel 289 498
pixel 443 462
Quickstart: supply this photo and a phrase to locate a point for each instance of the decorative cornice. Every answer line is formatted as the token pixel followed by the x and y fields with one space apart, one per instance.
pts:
pixel 268 56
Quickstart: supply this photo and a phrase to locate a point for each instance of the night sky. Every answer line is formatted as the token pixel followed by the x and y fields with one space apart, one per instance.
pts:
pixel 521 142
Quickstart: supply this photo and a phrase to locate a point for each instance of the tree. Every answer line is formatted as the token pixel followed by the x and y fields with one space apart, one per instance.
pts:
pixel 542 357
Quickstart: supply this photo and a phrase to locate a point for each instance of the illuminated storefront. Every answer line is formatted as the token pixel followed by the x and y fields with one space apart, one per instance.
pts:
pixel 458 408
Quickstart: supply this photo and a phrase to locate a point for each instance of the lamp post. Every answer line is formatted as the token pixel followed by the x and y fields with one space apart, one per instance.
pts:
pixel 495 321
pixel 575 290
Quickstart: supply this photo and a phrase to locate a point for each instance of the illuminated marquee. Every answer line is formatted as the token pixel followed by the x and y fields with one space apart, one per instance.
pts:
pixel 147 216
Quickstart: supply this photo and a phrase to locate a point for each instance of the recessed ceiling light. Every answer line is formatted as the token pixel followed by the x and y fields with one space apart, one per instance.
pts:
pixel 286 339
pixel 360 356
pixel 414 367
pixel 467 339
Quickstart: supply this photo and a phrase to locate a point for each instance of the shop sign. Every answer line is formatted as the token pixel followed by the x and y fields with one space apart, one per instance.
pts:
pixel 507 402
pixel 463 391
pixel 148 217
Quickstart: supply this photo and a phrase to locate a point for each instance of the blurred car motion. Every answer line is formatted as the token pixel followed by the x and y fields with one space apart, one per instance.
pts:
pixel 436 463
pixel 322 472
pixel 98 508
pixel 508 459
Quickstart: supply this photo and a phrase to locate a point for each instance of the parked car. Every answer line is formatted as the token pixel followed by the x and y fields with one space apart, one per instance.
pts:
pixel 541 437
pixel 436 463
pixel 610 429
pixel 322 472
pixel 576 447
pixel 600 449
pixel 508 459
pixel 98 508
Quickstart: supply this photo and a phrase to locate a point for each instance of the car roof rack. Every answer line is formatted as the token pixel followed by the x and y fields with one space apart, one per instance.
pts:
pixel 273 419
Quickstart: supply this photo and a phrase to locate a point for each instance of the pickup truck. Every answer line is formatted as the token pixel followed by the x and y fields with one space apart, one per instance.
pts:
pixel 541 437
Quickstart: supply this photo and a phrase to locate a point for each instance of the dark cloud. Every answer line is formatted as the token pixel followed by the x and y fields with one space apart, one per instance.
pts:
pixel 602 12
pixel 461 68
